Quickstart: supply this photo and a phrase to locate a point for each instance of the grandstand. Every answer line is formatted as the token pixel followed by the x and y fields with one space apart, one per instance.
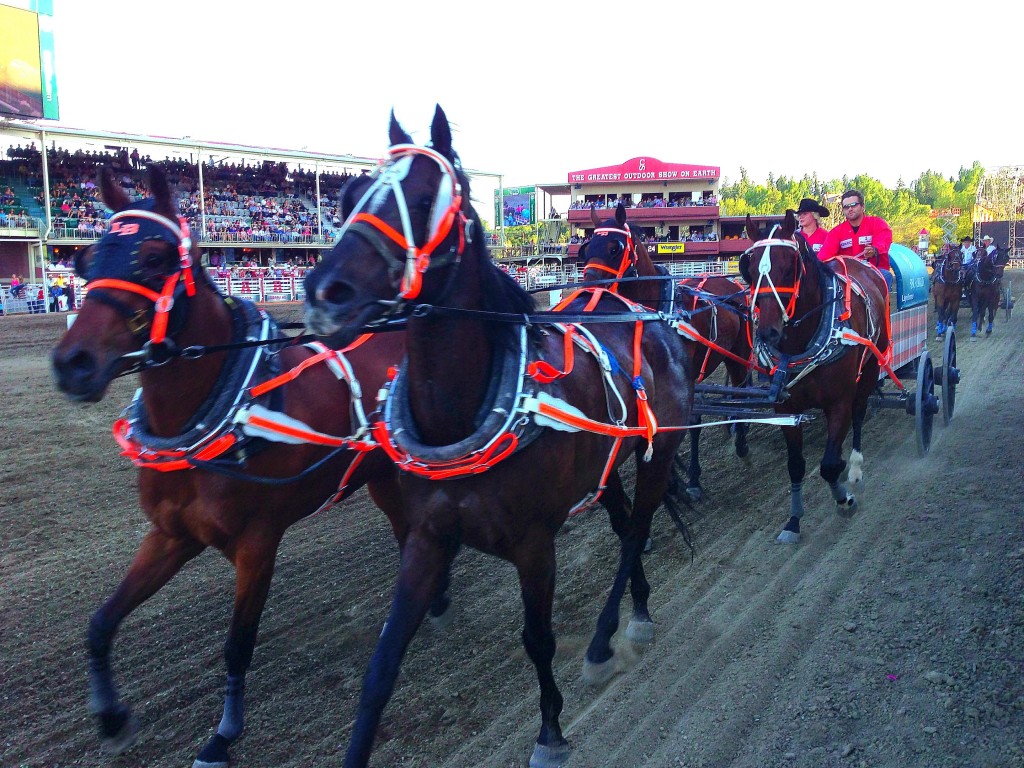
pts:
pixel 256 212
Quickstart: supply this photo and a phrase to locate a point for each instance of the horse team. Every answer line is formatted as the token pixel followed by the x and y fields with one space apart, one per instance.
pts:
pixel 479 401
pixel 979 280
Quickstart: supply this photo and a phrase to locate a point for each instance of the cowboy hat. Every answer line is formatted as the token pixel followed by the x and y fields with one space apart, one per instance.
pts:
pixel 988 237
pixel 807 205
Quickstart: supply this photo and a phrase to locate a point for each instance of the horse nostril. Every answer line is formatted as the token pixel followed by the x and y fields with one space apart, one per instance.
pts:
pixel 335 293
pixel 78 365
pixel 770 336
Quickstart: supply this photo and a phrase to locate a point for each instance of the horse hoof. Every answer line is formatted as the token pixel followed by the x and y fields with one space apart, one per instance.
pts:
pixel 214 754
pixel 694 493
pixel 597 674
pixel 550 756
pixel 443 622
pixel 640 632
pixel 847 508
pixel 973 337
pixel 787 537
pixel 123 740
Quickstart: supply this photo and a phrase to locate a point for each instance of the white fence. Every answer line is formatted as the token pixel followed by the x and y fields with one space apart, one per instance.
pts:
pixel 263 285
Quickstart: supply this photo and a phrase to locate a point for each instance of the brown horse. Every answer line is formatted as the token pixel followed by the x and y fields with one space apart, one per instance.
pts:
pixel 948 287
pixel 985 288
pixel 802 307
pixel 712 311
pixel 501 425
pixel 242 502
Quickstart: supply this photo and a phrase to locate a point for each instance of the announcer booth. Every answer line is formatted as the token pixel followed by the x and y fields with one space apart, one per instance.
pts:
pixel 908 303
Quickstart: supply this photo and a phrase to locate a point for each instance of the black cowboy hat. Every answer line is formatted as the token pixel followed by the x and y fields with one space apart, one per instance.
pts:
pixel 807 205
pixel 968 239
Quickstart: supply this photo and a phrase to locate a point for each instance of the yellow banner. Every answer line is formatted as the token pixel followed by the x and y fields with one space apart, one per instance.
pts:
pixel 671 247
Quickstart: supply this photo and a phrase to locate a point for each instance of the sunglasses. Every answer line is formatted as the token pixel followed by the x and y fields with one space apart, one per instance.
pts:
pixel 847 207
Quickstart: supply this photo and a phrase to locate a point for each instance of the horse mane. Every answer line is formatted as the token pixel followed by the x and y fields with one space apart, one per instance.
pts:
pixel 499 290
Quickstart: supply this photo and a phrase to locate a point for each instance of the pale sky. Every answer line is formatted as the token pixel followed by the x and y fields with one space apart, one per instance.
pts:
pixel 537 89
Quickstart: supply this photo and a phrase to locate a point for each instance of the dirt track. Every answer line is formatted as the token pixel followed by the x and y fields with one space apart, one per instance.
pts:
pixel 892 639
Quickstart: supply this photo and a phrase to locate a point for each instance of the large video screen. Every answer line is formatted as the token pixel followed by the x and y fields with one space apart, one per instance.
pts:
pixel 27 78
pixel 517 208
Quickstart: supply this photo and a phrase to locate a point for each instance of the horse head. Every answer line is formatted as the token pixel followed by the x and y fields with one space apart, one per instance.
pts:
pixel 611 252
pixel 406 229
pixel 141 276
pixel 1000 259
pixel 951 270
pixel 777 267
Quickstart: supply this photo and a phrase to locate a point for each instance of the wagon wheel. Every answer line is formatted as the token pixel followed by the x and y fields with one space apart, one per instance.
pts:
pixel 925 405
pixel 950 377
pixel 1008 300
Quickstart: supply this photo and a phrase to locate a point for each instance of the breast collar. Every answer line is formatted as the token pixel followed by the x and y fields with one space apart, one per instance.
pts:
pixel 211 431
pixel 829 343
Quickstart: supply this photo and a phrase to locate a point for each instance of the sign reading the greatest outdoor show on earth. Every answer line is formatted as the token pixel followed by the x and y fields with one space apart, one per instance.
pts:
pixel 644 169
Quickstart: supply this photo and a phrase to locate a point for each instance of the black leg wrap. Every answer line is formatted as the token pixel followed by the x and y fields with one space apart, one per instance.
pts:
pixel 111 723
pixel 215 752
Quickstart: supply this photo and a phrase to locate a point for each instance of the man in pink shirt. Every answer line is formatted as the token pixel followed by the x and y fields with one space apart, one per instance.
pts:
pixel 864 237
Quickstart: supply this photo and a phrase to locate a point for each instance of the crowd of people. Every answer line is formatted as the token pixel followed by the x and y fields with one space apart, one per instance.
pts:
pixel 243 201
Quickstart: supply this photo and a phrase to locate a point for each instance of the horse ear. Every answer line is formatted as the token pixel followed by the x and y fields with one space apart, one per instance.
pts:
pixel 789 224
pixel 752 231
pixel 593 216
pixel 441 132
pixel 744 265
pixel 396 133
pixel 113 195
pixel 159 188
pixel 620 215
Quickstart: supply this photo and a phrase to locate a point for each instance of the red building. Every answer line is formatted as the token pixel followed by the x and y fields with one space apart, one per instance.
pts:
pixel 673 206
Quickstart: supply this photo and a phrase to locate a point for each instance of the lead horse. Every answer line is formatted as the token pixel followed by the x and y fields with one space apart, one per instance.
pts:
pixel 204 481
pixel 948 288
pixel 985 288
pixel 822 332
pixel 501 425
pixel 713 316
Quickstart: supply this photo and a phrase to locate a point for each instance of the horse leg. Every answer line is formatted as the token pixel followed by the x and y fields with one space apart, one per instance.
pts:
pixel 797 467
pixel 159 558
pixel 693 487
pixel 535 565
pixel 940 316
pixel 860 409
pixel 992 304
pixel 739 377
pixel 253 556
pixel 975 312
pixel 832 464
pixel 651 484
pixel 424 561
pixel 386 494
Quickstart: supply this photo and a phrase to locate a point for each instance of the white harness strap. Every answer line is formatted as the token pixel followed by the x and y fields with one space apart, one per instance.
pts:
pixel 764 267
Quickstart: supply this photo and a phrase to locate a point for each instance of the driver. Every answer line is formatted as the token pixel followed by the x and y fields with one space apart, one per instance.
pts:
pixel 863 237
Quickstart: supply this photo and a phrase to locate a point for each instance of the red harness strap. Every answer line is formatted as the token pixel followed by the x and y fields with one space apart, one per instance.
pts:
pixel 711 346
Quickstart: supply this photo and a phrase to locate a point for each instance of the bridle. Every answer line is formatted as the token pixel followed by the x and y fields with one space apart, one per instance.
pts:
pixel 446 215
pixel 627 265
pixel 764 269
pixel 158 349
